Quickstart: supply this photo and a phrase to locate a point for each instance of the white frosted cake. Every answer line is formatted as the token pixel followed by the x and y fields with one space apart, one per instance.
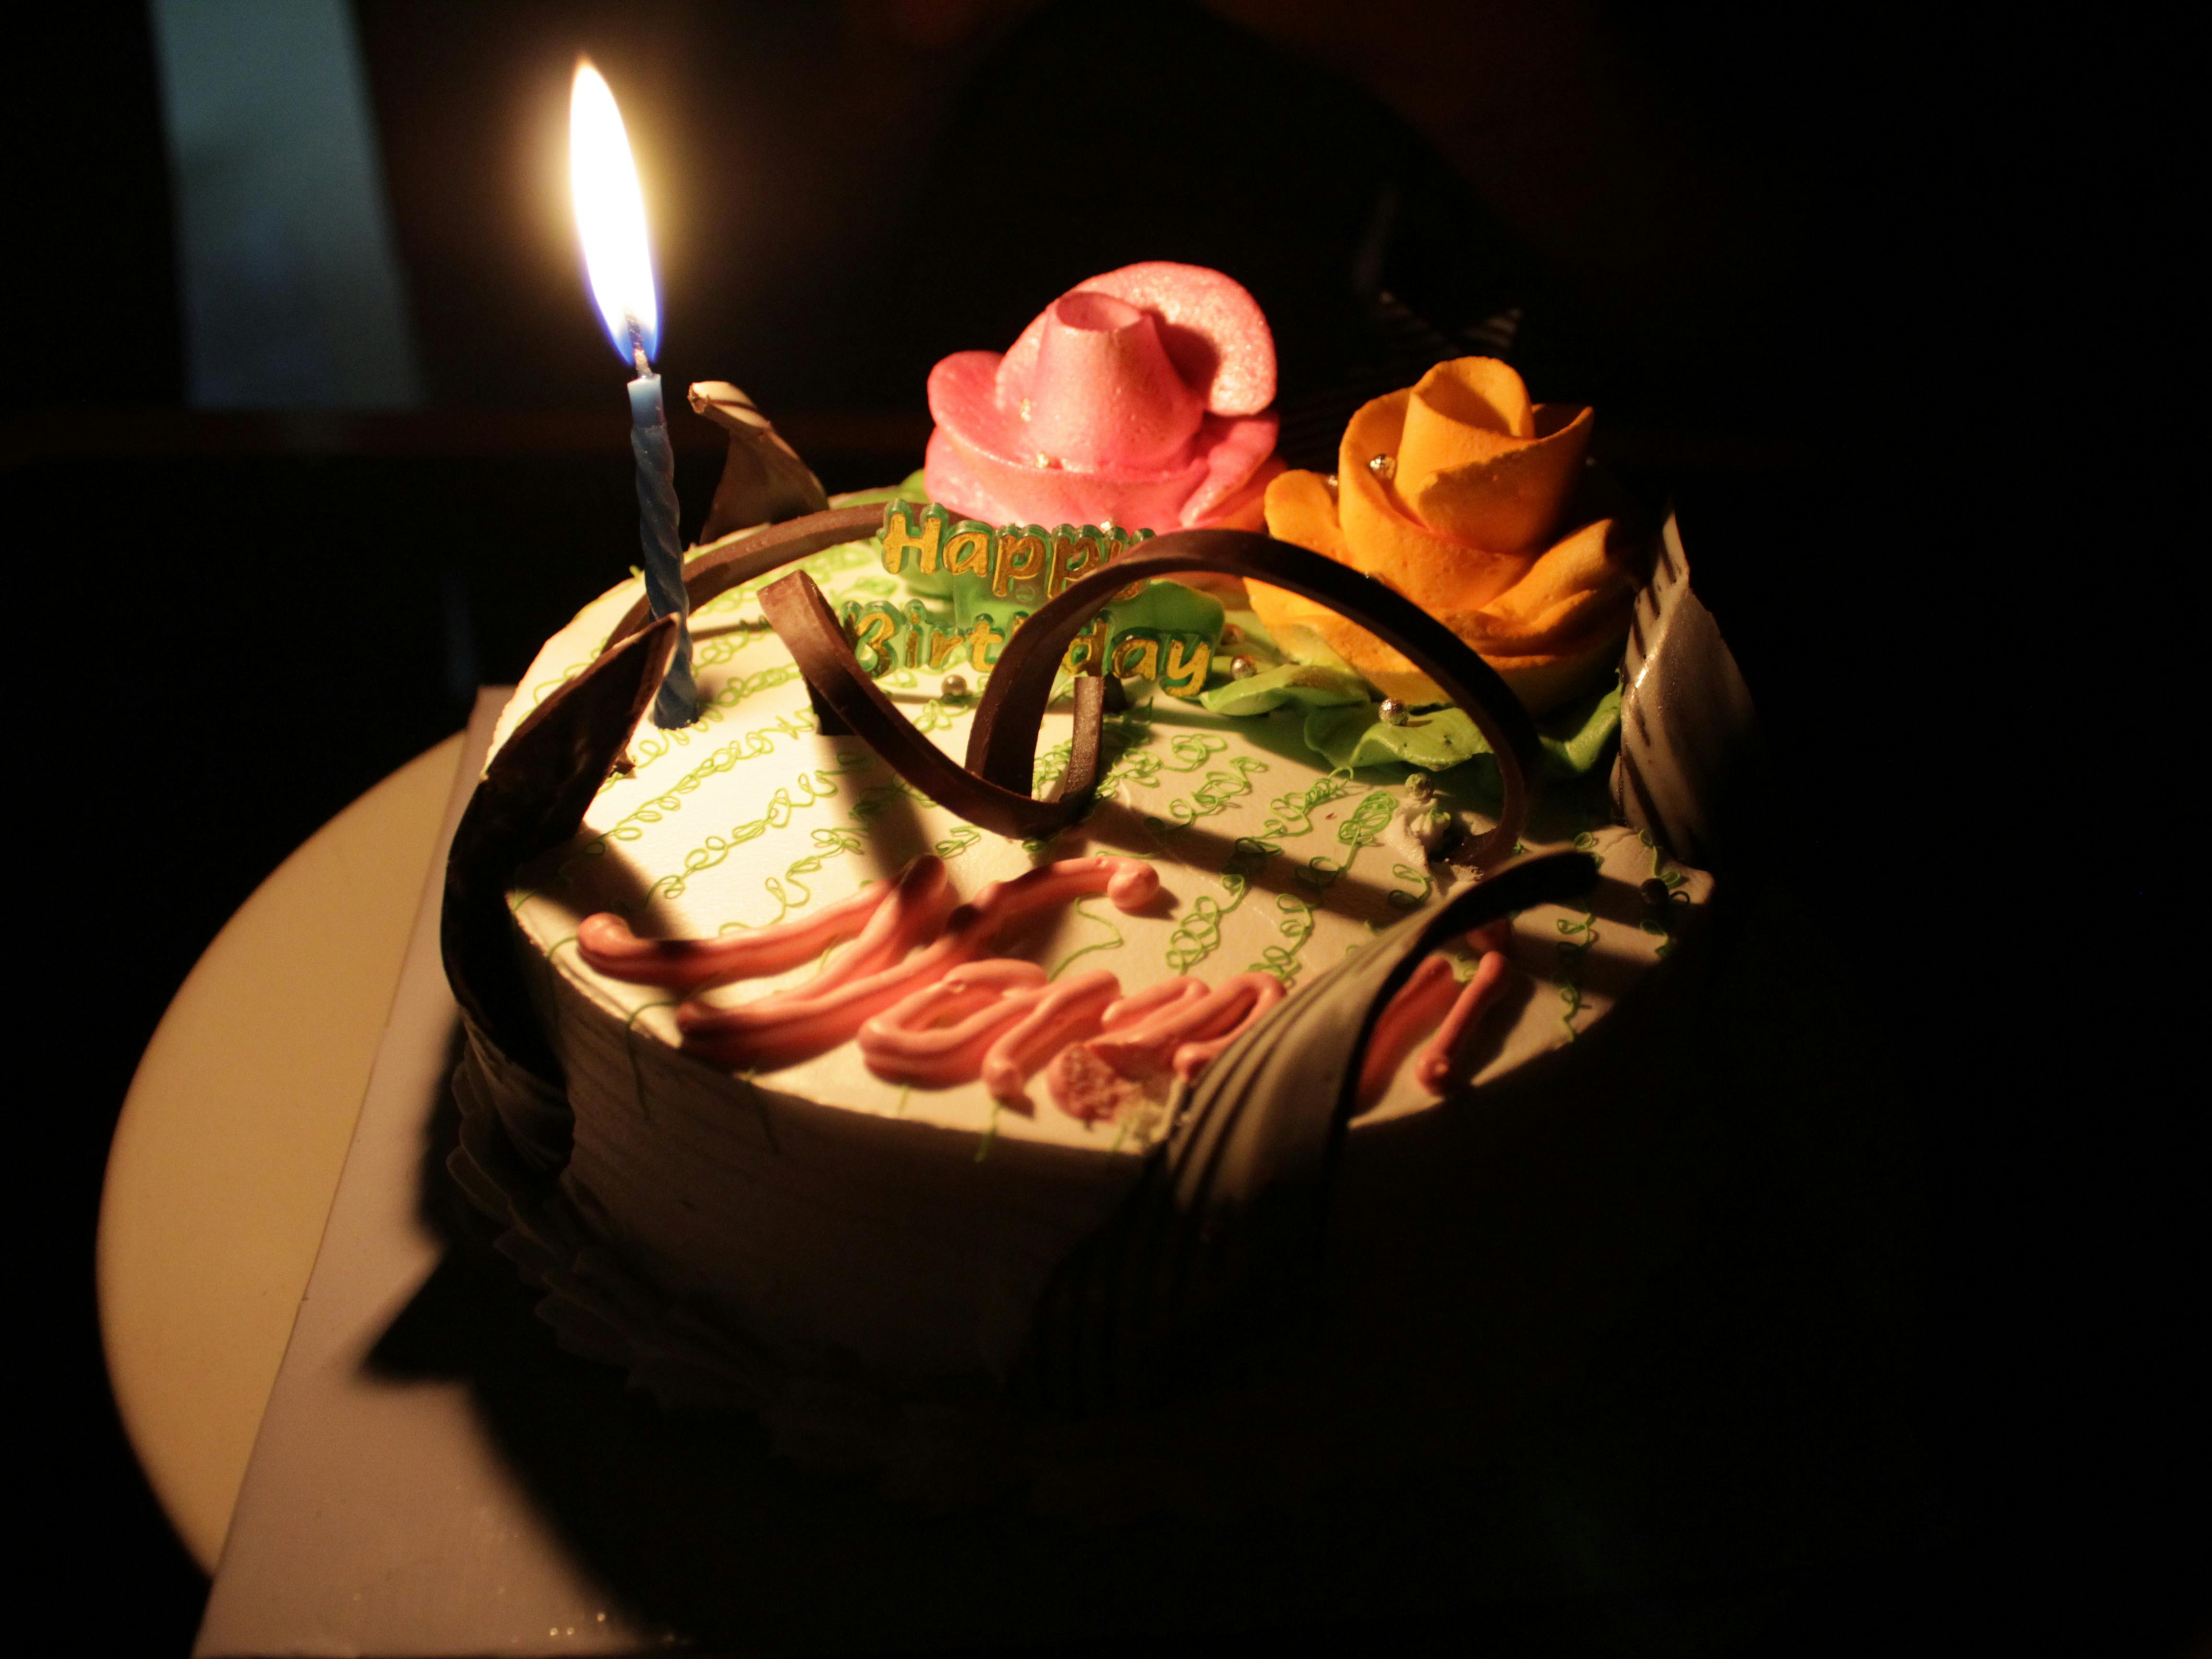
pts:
pixel 818 1208
pixel 828 1065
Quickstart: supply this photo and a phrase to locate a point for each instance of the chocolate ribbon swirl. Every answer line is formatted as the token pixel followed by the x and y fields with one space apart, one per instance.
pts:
pixel 994 790
pixel 810 632
pixel 1222 1236
pixel 1002 742
pixel 722 569
pixel 533 796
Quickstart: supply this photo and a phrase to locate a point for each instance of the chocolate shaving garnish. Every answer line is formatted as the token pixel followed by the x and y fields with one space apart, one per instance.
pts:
pixel 763 480
pixel 1221 1237
pixel 532 798
pixel 1002 742
pixel 1689 736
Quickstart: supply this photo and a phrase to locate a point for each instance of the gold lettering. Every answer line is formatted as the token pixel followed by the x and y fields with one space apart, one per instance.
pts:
pixel 1137 652
pixel 1087 650
pixel 909 529
pixel 1074 554
pixel 871 629
pixel 1021 555
pixel 983 643
pixel 1189 659
pixel 967 549
pixel 944 644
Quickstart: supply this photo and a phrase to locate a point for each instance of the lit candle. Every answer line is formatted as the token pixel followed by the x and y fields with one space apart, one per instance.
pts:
pixel 611 218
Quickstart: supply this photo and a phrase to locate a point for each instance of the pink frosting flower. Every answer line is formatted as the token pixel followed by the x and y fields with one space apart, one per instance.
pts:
pixel 1137 399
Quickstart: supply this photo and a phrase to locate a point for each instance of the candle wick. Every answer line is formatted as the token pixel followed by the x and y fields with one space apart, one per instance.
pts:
pixel 637 344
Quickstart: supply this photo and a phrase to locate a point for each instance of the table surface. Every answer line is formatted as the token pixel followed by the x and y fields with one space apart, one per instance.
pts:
pixel 234 1134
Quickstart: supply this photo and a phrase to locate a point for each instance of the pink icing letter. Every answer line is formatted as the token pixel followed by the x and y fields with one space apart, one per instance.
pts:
pixel 606 942
pixel 1433 997
pixel 811 1019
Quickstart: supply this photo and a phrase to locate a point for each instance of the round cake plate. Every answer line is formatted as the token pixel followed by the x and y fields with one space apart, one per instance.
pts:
pixel 234 1132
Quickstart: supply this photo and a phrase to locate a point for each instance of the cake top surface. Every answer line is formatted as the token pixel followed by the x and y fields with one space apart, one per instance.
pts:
pixel 1266 863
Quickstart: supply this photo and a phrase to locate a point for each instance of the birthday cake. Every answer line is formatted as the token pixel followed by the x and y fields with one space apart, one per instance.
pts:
pixel 1082 938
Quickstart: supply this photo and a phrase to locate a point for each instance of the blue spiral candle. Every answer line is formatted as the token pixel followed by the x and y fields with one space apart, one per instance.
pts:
pixel 618 262
pixel 678 704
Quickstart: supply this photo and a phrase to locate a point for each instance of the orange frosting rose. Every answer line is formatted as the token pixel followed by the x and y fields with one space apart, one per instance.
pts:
pixel 1460 518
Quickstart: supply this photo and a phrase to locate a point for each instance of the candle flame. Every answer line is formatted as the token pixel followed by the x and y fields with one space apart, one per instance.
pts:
pixel 610 216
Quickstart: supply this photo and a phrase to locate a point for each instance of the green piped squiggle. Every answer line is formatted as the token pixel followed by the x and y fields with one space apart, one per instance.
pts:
pixel 545 689
pixel 1356 834
pixel 1580 936
pixel 751 746
pixel 828 844
pixel 1400 898
pixel 962 837
pixel 1215 792
pixel 646 749
pixel 713 651
pixel 812 787
pixel 1296 926
pixel 1197 935
pixel 1663 924
pixel 1114 941
pixel 1143 766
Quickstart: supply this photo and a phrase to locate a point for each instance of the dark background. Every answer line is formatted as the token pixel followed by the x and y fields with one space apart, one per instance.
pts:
pixel 1887 313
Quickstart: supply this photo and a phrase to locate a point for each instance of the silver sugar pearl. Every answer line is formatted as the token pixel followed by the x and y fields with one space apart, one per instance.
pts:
pixel 1394 713
pixel 1242 668
pixel 1382 466
pixel 1330 480
pixel 954 688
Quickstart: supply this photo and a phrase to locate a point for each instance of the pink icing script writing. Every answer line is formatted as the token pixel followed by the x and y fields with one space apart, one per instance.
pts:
pixel 910 983
pixel 1433 996
pixel 908 942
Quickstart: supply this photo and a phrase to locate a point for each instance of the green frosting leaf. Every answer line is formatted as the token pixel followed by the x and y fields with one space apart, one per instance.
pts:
pixel 1168 606
pixel 1437 739
pixel 1571 745
pixel 1172 608
pixel 1308 684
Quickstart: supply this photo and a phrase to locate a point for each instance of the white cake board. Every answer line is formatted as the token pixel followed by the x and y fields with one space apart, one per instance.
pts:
pixel 431 1478
pixel 376 1516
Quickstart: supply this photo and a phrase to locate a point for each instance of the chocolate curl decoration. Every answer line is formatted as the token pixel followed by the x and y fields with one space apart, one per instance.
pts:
pixel 1690 741
pixel 993 791
pixel 532 798
pixel 718 569
pixel 763 480
pixel 1002 741
pixel 809 629
pixel 1222 1236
